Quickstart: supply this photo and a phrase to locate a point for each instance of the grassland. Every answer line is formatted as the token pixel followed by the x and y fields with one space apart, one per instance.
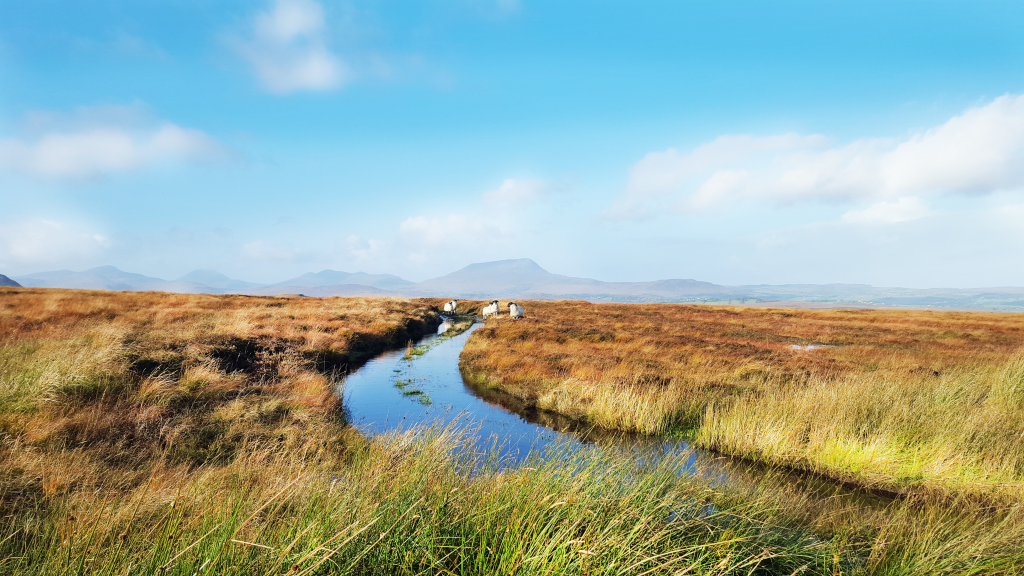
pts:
pixel 912 401
pixel 145 433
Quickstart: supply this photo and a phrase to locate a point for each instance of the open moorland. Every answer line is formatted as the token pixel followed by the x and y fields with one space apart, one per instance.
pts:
pixel 149 433
pixel 902 400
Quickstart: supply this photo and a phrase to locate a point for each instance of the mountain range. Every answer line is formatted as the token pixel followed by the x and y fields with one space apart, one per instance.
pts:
pixel 524 279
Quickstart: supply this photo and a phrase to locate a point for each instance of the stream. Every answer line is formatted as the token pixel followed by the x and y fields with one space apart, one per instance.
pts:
pixel 430 391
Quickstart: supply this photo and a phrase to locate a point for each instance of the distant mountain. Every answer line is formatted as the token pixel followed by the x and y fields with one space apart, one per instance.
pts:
pixel 523 278
pixel 5 281
pixel 511 277
pixel 108 278
pixel 321 291
pixel 336 278
pixel 215 279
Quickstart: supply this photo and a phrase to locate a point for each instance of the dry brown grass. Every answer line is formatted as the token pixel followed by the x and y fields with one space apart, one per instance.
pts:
pixel 98 390
pixel 896 398
pixel 150 433
pixel 158 433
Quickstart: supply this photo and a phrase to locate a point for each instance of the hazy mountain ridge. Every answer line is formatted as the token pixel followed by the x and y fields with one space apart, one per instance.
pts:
pixel 325 278
pixel 5 281
pixel 525 279
pixel 325 282
pixel 214 279
pixel 108 278
pixel 321 291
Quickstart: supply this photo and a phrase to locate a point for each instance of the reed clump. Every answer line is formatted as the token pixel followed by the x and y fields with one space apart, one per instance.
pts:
pixel 903 400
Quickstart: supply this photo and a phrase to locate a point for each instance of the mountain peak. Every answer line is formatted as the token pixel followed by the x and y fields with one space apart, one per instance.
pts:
pixel 488 278
pixel 330 277
pixel 513 265
pixel 215 279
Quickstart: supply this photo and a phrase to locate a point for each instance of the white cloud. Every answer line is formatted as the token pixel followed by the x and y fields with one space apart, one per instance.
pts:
pixel 453 237
pixel 102 141
pixel 474 233
pixel 366 250
pixel 452 230
pixel 513 193
pixel 40 242
pixel 288 50
pixel 979 151
pixel 661 172
pixel 903 210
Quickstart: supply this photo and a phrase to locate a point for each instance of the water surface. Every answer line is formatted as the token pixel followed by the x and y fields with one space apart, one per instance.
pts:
pixel 431 391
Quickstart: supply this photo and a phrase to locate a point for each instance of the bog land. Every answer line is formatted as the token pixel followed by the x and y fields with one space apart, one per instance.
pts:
pixel 154 433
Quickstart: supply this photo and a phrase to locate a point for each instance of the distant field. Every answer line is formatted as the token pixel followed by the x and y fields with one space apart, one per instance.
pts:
pixel 908 400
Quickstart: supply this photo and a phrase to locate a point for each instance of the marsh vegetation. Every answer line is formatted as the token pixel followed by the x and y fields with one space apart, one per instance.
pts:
pixel 146 433
pixel 905 400
pixel 925 405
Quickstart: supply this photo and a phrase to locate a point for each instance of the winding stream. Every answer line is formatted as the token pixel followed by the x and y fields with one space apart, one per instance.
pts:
pixel 394 392
pixel 374 404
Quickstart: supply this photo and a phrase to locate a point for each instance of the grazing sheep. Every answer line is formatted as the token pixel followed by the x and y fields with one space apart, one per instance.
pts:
pixel 450 307
pixel 491 309
pixel 515 311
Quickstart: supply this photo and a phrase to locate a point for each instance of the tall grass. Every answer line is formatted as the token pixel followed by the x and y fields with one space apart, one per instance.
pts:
pixel 961 430
pixel 420 503
pixel 179 434
pixel 905 400
pixel 424 503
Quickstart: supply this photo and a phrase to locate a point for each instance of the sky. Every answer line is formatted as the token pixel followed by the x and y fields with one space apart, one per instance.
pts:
pixel 731 142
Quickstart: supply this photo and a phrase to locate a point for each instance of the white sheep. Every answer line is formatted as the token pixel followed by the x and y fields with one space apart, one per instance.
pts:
pixel 491 309
pixel 515 311
pixel 450 307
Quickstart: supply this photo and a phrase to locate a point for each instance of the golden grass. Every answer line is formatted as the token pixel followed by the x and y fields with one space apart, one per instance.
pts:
pixel 98 389
pixel 178 434
pixel 900 399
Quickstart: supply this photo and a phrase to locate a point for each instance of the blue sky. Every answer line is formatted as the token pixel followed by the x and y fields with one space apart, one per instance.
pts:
pixel 733 142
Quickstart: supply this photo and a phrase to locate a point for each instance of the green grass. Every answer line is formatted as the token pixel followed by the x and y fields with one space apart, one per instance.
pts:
pixel 200 469
pixel 414 504
pixel 424 502
pixel 403 386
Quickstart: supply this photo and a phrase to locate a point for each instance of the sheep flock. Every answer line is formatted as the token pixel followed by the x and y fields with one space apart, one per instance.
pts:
pixel 515 311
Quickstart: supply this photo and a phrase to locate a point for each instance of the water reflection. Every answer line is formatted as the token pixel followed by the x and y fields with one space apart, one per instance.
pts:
pixel 446 324
pixel 396 392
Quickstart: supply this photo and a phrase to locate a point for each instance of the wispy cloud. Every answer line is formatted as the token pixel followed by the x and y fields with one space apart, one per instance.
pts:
pixel 903 210
pixel 288 49
pixel 41 242
pixel 661 172
pixel 473 232
pixel 427 239
pixel 102 141
pixel 977 152
pixel 513 192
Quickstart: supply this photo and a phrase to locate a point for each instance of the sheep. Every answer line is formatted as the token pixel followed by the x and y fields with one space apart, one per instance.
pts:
pixel 515 311
pixel 450 307
pixel 491 309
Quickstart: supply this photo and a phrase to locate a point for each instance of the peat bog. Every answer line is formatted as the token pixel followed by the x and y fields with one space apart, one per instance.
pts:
pixel 145 433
